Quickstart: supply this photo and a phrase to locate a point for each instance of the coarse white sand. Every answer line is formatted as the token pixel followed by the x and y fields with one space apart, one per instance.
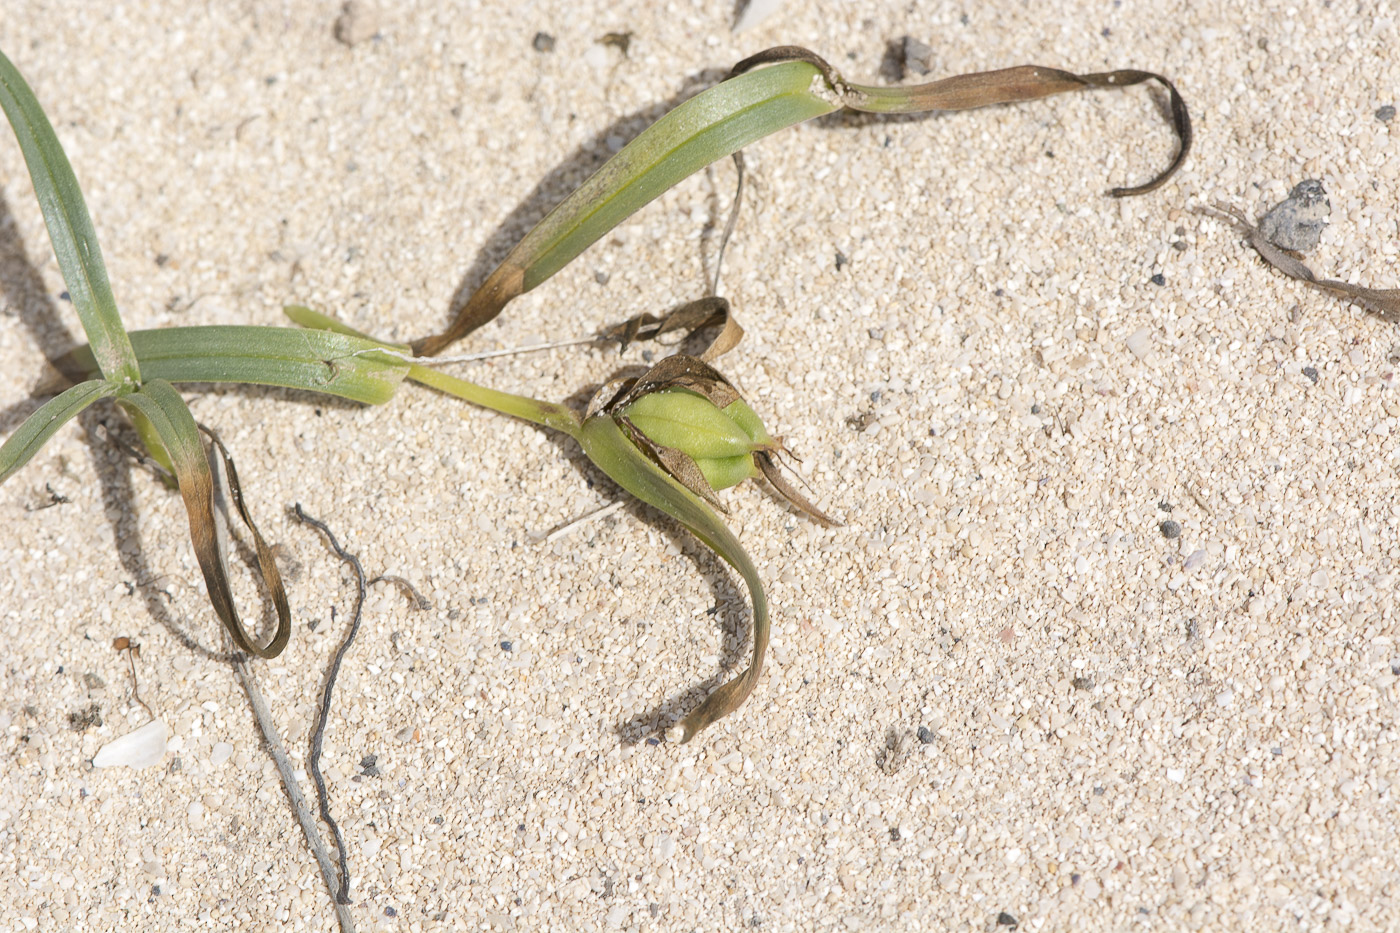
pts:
pixel 999 694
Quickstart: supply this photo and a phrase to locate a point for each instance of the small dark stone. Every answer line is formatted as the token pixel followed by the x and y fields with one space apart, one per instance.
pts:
pixel 1311 373
pixel 507 646
pixel 85 719
pixel 926 735
pixel 1386 114
pixel 602 277
pixel 1170 529
pixel 622 41
pixel 369 766
pixel 653 740
pixel 93 681
pixel 543 42
pixel 64 296
pixel 1164 505
pixel 841 261
pixel 1179 246
pixel 1035 408
pixel 1159 279
pixel 390 912
pixel 1074 878
pixel 1004 919
pixel 894 834
pixel 1083 683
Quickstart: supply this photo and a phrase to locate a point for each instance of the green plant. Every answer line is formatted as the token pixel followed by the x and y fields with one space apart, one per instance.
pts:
pixel 671 438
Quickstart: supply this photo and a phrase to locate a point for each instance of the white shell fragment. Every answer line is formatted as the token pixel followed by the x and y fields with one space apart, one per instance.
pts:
pixel 139 749
pixel 754 13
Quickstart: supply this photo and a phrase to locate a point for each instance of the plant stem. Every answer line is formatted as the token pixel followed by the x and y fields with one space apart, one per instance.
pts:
pixel 546 414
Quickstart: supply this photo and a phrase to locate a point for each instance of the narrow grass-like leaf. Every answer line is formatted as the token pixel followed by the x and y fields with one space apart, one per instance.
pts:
pixel 796 85
pixel 158 401
pixel 337 364
pixel 70 229
pixel 610 449
pixel 52 415
pixel 707 127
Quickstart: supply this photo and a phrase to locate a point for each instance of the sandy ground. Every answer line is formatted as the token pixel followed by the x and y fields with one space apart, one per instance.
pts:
pixel 999 695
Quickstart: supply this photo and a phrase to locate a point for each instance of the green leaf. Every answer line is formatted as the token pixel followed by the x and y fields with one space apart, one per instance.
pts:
pixel 159 403
pixel 353 368
pixel 616 456
pixel 70 229
pixel 709 126
pixel 20 446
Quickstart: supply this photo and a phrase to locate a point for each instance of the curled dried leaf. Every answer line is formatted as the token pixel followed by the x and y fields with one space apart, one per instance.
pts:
pixel 690 318
pixel 984 89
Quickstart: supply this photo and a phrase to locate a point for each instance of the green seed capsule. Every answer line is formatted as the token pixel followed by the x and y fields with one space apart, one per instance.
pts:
pixel 689 422
pixel 723 472
pixel 741 414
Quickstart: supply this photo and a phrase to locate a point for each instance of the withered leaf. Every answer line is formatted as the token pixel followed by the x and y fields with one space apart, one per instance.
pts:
pixel 1382 302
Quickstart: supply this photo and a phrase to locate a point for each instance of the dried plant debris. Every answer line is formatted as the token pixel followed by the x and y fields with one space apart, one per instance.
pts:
pixel 1382 302
pixel 1297 221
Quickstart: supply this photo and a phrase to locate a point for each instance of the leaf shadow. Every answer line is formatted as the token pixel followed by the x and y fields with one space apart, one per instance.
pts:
pixel 22 289
pixel 726 592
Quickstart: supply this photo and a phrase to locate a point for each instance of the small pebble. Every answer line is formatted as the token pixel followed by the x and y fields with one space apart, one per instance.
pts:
pixel 926 735
pixel 1297 222
pixel 1170 529
pixel 1386 114
pixel 543 42
pixel 356 23
pixel 1005 919
pixel 1311 373
pixel 918 57
pixel 1159 279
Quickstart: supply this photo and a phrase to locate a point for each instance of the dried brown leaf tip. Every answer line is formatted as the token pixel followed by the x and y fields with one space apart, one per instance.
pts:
pixel 692 422
pixel 1294 225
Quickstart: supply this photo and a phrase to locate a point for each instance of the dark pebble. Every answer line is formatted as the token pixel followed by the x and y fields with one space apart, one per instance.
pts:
pixel 1170 529
pixel 507 646
pixel 1159 279
pixel 390 912
pixel 1004 919
pixel 1083 683
pixel 926 735
pixel 543 42
pixel 1386 113
pixel 369 766
pixel 894 834
pixel 1311 373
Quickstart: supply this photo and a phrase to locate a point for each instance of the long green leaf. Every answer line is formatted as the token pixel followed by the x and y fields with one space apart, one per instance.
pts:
pixel 616 456
pixel 52 415
pixel 796 85
pixel 70 229
pixel 315 360
pixel 158 401
pixel 707 127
